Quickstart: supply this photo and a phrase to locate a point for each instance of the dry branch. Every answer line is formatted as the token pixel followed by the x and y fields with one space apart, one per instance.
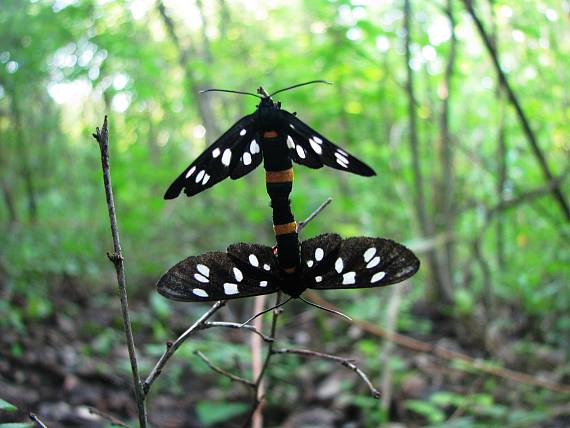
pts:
pixel 171 347
pixel 513 99
pixel 102 137
pixel 447 354
pixel 223 372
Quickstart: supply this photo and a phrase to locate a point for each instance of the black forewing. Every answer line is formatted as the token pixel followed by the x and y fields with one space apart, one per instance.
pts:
pixel 214 276
pixel 364 262
pixel 217 162
pixel 315 145
pixel 318 254
pixel 249 159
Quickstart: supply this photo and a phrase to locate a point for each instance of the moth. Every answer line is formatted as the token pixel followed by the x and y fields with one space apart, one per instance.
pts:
pixel 326 262
pixel 271 134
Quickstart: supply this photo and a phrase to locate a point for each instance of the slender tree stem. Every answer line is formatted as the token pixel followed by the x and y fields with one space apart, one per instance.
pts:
pixel 513 99
pixel 117 258
pixel 171 347
pixel 344 361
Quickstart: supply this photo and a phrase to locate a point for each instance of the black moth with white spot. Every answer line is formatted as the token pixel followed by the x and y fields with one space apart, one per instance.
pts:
pixel 272 134
pixel 326 262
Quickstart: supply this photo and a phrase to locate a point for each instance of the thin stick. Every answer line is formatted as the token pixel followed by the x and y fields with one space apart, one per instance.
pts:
pixel 117 258
pixel 258 396
pixel 522 117
pixel 315 213
pixel 448 354
pixel 171 347
pixel 237 326
pixel 110 418
pixel 37 420
pixel 344 361
pixel 224 372
pixel 257 356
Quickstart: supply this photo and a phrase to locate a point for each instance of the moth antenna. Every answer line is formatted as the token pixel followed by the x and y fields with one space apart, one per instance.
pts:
pixel 230 91
pixel 332 311
pixel 265 311
pixel 300 84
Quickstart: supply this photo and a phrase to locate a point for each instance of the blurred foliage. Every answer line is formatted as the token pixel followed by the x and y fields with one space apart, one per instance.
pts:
pixel 66 63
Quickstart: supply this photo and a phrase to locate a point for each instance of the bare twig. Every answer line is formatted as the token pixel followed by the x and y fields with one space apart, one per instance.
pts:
pixel 224 372
pixel 171 347
pixel 447 354
pixel 102 137
pixel 387 372
pixel 257 356
pixel 258 396
pixel 513 99
pixel 344 361
pixel 315 213
pixel 236 325
pixel 110 418
pixel 37 420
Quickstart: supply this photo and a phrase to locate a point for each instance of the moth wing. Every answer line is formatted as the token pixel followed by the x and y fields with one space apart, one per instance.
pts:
pixel 364 262
pixel 217 162
pixel 213 276
pixel 318 147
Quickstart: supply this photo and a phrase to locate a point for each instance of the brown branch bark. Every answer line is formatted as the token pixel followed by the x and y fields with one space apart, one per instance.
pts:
pixel 513 99
pixel 102 137
pixel 447 354
pixel 205 109
pixel 110 418
pixel 439 292
pixel 344 361
pixel 171 347
pixel 223 372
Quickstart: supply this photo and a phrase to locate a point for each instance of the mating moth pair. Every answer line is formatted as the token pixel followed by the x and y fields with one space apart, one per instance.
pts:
pixel 279 138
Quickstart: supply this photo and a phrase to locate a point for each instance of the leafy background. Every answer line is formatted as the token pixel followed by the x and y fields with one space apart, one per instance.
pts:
pixel 494 283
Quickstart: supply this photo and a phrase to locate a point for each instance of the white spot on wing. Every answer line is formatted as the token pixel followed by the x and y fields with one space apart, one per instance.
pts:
pixel 200 176
pixel 349 278
pixel 290 142
pixel 377 277
pixel 253 260
pixel 230 288
pixel 263 283
pixel 319 254
pixel 205 180
pixel 339 265
pixel 199 292
pixel 254 147
pixel 238 274
pixel 317 140
pixel 317 148
pixel 227 157
pixel 301 152
pixel 341 159
pixel 201 278
pixel 373 263
pixel 369 253
pixel 266 266
pixel 190 171
pixel 216 152
pixel 318 278
pixel 246 158
pixel 342 152
pixel 203 269
pixel 310 263
pixel 242 132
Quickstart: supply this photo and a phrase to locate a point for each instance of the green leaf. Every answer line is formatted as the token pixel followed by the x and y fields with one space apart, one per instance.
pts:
pixel 210 412
pixel 428 410
pixel 7 407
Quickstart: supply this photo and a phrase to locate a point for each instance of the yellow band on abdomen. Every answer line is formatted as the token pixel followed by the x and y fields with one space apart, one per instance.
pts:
pixel 282 229
pixel 284 176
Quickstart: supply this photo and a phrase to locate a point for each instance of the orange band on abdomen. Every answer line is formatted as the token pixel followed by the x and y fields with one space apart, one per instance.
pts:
pixel 279 176
pixel 282 229
pixel 270 134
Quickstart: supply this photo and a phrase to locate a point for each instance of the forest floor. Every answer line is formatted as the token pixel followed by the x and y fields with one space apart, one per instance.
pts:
pixel 61 366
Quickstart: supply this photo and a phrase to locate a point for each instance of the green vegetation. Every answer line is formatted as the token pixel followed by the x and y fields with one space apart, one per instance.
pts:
pixel 458 181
